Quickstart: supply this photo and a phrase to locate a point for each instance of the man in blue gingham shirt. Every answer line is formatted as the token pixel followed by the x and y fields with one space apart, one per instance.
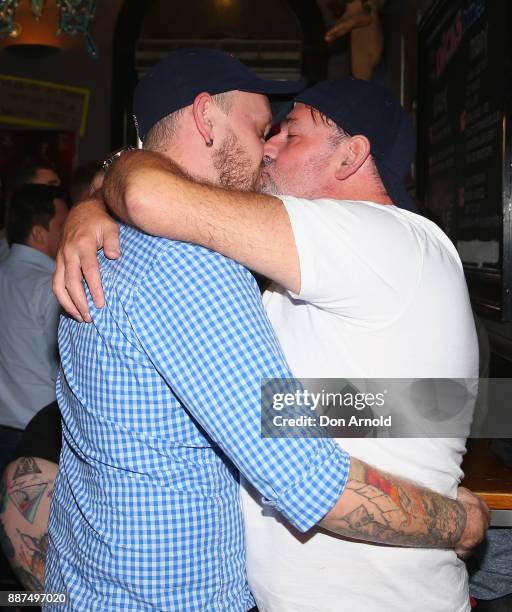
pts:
pixel 146 513
pixel 160 397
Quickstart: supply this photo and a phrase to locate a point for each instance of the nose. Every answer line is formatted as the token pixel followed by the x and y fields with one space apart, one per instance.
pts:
pixel 270 150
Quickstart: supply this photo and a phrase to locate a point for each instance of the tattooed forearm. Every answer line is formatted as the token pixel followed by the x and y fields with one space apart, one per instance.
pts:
pixel 26 466
pixel 25 497
pixel 32 551
pixel 380 508
pixel 28 580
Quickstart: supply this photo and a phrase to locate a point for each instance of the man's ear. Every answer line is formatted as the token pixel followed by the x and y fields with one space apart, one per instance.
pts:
pixel 353 155
pixel 202 110
pixel 38 235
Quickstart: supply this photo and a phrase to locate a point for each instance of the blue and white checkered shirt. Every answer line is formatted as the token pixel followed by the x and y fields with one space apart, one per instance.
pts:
pixel 160 399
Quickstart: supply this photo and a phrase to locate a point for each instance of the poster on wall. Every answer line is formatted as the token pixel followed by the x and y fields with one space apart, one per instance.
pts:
pixel 42 104
pixel 463 140
pixel 58 148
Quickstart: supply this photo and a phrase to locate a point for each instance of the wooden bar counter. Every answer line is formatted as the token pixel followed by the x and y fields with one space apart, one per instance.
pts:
pixel 487 475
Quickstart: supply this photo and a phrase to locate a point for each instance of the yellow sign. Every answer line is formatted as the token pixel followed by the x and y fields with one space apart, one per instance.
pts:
pixel 42 104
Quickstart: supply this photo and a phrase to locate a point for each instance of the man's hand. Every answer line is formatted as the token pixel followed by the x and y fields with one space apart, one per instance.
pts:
pixel 478 517
pixel 88 228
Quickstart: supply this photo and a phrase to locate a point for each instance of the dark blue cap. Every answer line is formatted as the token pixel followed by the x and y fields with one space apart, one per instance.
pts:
pixel 177 79
pixel 368 109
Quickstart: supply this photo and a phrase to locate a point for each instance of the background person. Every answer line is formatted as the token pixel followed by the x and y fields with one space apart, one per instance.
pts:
pixel 82 180
pixel 37 172
pixel 29 312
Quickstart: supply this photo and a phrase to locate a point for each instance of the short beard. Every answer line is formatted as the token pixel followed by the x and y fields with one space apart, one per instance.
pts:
pixel 304 182
pixel 234 165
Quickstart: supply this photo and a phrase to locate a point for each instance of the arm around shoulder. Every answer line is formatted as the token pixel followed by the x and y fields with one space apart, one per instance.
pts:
pixel 147 190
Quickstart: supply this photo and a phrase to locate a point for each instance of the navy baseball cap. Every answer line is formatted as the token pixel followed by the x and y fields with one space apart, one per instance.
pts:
pixel 177 79
pixel 368 109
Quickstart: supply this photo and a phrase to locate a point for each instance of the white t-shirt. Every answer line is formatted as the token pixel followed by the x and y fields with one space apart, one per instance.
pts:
pixel 382 295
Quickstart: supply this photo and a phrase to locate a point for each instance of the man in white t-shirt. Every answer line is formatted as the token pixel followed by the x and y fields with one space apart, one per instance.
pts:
pixel 361 289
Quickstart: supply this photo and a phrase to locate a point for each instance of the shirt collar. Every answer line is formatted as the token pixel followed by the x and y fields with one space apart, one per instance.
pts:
pixel 22 252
